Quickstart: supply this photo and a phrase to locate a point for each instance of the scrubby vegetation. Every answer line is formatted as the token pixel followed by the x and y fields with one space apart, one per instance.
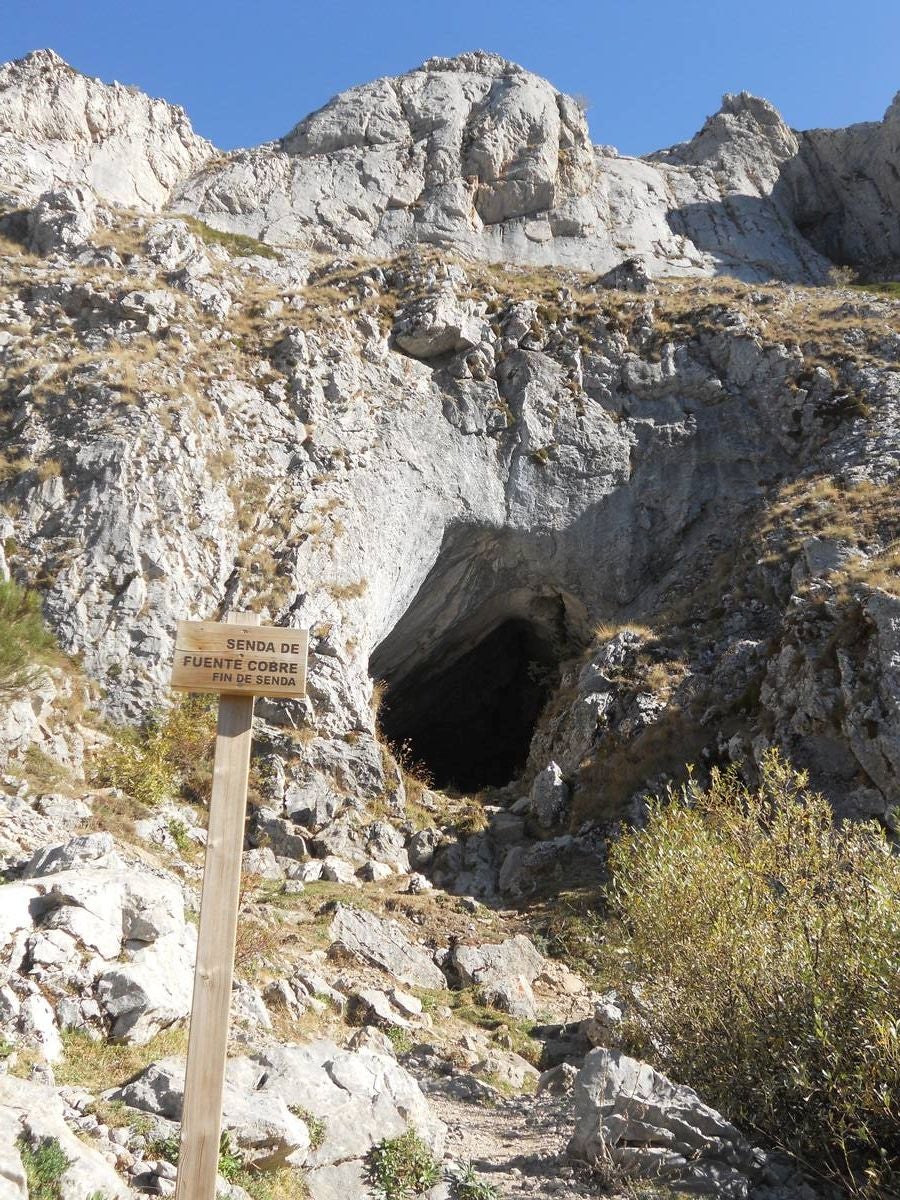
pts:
pixel 102 1064
pixel 760 945
pixel 172 754
pixel 403 1167
pixel 470 1186
pixel 25 643
pixel 44 1166
pixel 235 243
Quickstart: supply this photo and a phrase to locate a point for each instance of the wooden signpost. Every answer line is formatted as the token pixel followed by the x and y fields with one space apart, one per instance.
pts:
pixel 239 659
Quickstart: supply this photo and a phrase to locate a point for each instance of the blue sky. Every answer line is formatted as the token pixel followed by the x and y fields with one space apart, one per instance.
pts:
pixel 248 71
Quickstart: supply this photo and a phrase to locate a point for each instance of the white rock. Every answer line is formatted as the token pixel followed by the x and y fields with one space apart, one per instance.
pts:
pixel 58 126
pixel 35 1112
pixel 152 990
pixel 338 870
pixel 62 221
pixel 384 944
pixel 90 850
pixel 38 1026
pixel 549 796
pixel 502 972
pixel 630 1114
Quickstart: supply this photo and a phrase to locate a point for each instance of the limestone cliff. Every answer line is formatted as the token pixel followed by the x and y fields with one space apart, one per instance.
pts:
pixel 454 471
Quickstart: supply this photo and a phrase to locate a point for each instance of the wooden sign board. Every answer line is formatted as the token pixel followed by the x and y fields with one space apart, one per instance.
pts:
pixel 240 659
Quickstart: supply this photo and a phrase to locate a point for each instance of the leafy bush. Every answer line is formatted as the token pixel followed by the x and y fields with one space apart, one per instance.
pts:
pixel 402 1167
pixel 760 941
pixel 231 1161
pixel 44 1165
pixel 173 753
pixel 24 640
pixel 470 1186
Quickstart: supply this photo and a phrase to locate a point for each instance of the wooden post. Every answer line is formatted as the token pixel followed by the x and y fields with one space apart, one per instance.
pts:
pixel 198 1157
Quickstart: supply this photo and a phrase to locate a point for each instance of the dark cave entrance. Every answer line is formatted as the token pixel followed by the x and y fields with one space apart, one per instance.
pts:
pixel 468 720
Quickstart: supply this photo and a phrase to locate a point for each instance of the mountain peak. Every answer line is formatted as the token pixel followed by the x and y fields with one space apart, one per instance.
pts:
pixel 58 126
pixel 476 62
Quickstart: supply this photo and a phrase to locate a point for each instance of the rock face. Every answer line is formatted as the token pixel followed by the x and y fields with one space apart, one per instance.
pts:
pixel 468 517
pixel 628 1114
pixel 358 1097
pixel 477 154
pixel 383 944
pixel 59 126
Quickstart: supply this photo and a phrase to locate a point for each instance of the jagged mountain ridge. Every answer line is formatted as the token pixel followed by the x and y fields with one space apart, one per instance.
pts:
pixel 477 154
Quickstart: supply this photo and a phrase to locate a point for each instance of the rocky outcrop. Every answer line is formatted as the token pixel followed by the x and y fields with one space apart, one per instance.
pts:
pixel 630 1115
pixel 501 974
pixel 32 1116
pixel 384 944
pixel 109 944
pixel 477 154
pixel 58 126
pixel 357 1098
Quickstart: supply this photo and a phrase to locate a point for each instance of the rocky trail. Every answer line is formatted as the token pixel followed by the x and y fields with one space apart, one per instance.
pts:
pixel 518 1145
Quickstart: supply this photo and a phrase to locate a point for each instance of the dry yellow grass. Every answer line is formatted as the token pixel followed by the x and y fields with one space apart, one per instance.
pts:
pixel 102 1064
pixel 348 591
pixel 607 630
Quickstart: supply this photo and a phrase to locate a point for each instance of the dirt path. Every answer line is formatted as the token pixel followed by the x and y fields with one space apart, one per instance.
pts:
pixel 517 1145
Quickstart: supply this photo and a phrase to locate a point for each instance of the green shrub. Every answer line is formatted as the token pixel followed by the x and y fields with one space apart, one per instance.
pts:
pixel 470 1186
pixel 402 1167
pixel 172 754
pixel 44 1165
pixel 760 941
pixel 399 1038
pixel 231 1161
pixel 25 642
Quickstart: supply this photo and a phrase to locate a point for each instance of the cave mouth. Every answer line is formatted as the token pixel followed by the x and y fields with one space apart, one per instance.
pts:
pixel 465 715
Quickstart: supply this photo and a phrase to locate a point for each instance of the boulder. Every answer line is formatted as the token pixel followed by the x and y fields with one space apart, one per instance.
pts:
pixel 375 872
pixel 631 1115
pixel 361 1097
pixel 422 846
pixel 261 863
pixel 283 836
pixel 386 844
pixel 105 909
pixel 502 972
pixel 62 221
pixel 152 990
pixel 259 1121
pixel 38 1025
pixel 338 870
pixel 89 850
pixel 440 324
pixel 604 1027
pixel 630 275
pixel 549 797
pixel 384 944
